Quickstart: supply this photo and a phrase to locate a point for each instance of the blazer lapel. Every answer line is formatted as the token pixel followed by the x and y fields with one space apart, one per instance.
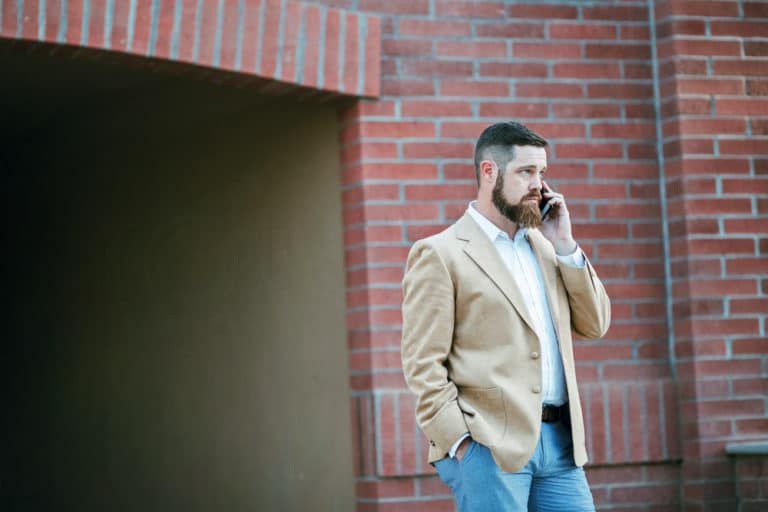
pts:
pixel 547 265
pixel 485 255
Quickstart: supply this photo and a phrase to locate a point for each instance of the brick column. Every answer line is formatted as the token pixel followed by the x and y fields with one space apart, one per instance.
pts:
pixel 712 66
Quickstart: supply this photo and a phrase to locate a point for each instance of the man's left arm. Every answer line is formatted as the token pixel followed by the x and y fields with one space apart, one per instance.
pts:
pixel 589 303
pixel 587 298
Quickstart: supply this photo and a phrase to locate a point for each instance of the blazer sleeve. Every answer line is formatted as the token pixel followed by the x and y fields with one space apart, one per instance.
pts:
pixel 428 321
pixel 588 301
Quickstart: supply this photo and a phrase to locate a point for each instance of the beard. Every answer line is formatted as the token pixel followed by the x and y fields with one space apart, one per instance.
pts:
pixel 524 214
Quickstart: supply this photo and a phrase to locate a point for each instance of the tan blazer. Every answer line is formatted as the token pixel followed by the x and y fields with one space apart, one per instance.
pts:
pixel 469 350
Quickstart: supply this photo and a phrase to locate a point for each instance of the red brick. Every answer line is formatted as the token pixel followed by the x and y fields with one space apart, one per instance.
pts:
pixel 439 192
pixel 755 186
pixel 406 88
pixel 745 106
pixel 642 71
pixel 745 225
pixel 95 22
pixel 542 11
pixel 510 30
pixel 704 8
pixel 514 110
pixel 474 49
pixel 429 68
pixel 636 371
pixel 394 488
pixel 367 234
pixel 741 67
pixel 375 192
pixel 617 51
pixel 635 130
pixel 513 70
pixel 616 423
pixel 710 86
pixel 393 6
pixel 626 210
pixel 756 9
pixel 718 287
pixel 752 426
pixel 706 47
pixel 469 88
pixel 330 69
pixel 433 108
pixel 732 407
pixel 588 150
pixel 753 305
pixel 623 170
pixel 543 50
pixel 759 126
pixel 679 27
pixel 404 46
pixel 438 150
pixel 617 13
pixel 743 146
pixel 636 290
pixel 427 27
pixel 400 171
pixel 397 129
pixel 586 70
pixel 461 130
pixel 418 231
pixel 694 106
pixel 470 9
pixel 581 31
pixel 702 146
pixel 549 90
pixel 620 90
pixel 738 28
pixel 634 33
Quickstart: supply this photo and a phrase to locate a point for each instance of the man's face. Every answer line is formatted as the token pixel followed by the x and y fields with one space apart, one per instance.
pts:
pixel 517 191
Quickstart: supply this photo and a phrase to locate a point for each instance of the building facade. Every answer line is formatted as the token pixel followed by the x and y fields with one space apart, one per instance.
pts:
pixel 657 117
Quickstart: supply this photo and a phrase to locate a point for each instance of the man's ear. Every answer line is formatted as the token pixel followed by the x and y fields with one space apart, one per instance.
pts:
pixel 488 171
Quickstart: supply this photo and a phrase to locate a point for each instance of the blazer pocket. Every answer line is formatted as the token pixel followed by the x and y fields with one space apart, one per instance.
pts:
pixel 484 413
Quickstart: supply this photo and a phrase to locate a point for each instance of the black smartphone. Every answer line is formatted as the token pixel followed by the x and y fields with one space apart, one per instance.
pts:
pixel 544 205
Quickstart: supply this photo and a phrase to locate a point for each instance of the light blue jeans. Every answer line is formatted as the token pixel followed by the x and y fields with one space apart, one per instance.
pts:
pixel 549 482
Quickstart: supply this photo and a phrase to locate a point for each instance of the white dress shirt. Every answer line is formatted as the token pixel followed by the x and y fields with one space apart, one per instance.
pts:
pixel 521 262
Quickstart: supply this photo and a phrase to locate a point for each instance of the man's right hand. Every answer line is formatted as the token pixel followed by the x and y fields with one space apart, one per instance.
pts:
pixel 463 448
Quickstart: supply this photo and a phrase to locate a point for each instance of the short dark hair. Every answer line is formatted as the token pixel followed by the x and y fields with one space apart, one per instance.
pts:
pixel 498 140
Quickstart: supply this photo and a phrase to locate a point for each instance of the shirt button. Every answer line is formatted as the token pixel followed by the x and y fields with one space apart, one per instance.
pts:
pixel 536 389
pixel 534 355
pixel 432 443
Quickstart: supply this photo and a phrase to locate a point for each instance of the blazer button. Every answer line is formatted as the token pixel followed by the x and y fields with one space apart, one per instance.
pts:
pixel 534 355
pixel 536 389
pixel 432 443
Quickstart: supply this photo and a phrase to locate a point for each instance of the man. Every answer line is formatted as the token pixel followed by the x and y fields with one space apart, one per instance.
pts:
pixel 488 309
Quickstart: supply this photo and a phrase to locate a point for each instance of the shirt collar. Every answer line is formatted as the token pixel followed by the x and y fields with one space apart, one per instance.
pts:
pixel 489 228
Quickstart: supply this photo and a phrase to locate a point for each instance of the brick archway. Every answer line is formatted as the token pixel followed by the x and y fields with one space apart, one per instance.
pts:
pixel 290 43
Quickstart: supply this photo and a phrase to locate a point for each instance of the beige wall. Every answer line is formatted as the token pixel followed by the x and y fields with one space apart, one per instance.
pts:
pixel 178 326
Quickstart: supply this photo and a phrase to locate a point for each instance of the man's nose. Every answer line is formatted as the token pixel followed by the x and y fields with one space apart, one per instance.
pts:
pixel 536 182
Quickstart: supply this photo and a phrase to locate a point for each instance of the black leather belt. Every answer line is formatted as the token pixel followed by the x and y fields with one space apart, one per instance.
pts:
pixel 553 413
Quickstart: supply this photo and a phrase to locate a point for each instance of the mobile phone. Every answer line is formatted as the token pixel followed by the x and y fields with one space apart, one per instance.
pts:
pixel 544 205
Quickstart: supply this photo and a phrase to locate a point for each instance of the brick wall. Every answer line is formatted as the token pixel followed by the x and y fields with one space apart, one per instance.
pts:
pixel 586 76
pixel 678 235
pixel 713 62
pixel 751 480
pixel 583 77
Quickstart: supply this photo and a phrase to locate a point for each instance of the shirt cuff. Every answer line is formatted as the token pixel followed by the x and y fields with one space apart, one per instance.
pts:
pixel 455 446
pixel 575 259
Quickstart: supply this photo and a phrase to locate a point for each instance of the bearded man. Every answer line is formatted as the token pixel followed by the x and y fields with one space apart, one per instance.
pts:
pixel 489 306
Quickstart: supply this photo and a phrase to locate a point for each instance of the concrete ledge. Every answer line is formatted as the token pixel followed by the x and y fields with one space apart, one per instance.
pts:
pixel 759 448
